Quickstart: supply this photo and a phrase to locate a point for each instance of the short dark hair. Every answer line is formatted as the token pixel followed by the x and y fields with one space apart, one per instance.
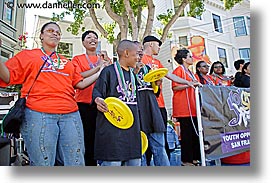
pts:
pixel 237 63
pixel 216 63
pixel 48 23
pixel 125 45
pixel 181 54
pixel 245 67
pixel 88 32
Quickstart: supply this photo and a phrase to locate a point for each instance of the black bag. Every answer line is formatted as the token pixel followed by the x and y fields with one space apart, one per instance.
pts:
pixel 13 120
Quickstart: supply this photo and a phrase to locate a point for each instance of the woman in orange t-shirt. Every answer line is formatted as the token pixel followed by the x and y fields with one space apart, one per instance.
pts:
pixel 217 73
pixel 202 73
pixel 52 127
pixel 88 64
pixel 184 109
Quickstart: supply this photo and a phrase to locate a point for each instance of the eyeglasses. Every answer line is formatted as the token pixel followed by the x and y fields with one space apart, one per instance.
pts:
pixel 52 31
pixel 205 66
pixel 216 67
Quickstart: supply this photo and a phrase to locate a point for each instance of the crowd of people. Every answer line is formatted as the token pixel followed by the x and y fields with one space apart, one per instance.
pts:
pixel 64 117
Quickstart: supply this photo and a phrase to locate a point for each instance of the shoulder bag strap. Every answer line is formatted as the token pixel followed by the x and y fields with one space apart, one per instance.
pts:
pixel 36 78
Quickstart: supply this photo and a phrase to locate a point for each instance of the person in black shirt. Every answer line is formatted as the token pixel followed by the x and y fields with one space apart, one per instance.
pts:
pixel 238 64
pixel 245 78
pixel 115 146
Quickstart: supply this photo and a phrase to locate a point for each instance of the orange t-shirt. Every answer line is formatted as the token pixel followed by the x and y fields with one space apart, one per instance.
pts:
pixel 53 91
pixel 82 65
pixel 183 99
pixel 154 64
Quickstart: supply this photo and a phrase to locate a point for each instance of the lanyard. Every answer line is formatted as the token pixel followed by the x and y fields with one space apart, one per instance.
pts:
pixel 208 80
pixel 190 74
pixel 122 83
pixel 55 66
pixel 151 63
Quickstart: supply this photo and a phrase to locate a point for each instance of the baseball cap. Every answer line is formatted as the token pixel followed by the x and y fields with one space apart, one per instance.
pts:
pixel 151 38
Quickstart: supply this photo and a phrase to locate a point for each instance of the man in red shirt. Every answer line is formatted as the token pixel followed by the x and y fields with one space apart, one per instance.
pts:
pixel 151 46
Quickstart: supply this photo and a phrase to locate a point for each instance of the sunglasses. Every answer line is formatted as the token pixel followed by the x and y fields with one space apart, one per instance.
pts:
pixel 216 67
pixel 205 66
pixel 52 31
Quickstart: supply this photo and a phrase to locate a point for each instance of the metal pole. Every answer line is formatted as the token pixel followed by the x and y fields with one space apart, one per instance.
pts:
pixel 200 126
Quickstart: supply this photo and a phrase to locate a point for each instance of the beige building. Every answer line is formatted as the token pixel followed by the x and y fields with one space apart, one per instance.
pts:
pixel 11 26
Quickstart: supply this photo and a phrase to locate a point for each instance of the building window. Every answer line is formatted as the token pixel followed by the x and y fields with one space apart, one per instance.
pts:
pixel 7 12
pixel 5 55
pixel 222 56
pixel 183 41
pixel 239 26
pixel 245 54
pixel 65 49
pixel 217 23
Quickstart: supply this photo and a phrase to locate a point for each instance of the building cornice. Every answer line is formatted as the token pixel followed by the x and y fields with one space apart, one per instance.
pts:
pixel 216 4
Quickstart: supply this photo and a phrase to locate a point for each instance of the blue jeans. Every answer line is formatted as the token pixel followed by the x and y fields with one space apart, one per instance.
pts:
pixel 51 137
pixel 157 145
pixel 131 162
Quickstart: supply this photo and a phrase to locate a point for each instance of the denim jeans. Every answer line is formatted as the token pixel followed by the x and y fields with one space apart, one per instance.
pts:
pixel 131 162
pixel 51 137
pixel 157 146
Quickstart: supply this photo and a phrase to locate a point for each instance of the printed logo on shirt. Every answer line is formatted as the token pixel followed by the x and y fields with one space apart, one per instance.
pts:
pixel 54 65
pixel 142 85
pixel 129 98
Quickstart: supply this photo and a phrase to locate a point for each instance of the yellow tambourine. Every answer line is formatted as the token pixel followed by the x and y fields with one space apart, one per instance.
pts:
pixel 144 142
pixel 119 114
pixel 154 75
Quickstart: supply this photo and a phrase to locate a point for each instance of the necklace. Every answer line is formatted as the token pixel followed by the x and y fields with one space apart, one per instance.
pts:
pixel 90 63
pixel 122 83
pixel 55 65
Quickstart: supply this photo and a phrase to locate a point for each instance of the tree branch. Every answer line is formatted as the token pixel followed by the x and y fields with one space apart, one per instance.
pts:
pixel 97 24
pixel 123 27
pixel 173 19
pixel 150 19
pixel 132 19
pixel 111 13
pixel 139 18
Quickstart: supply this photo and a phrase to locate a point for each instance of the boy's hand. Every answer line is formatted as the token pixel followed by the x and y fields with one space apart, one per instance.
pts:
pixel 101 105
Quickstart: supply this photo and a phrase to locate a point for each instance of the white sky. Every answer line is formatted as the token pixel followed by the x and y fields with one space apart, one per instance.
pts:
pixel 32 12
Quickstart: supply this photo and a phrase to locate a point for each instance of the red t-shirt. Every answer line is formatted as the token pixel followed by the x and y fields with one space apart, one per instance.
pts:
pixel 82 65
pixel 184 102
pixel 155 64
pixel 207 80
pixel 53 91
pixel 219 82
pixel 241 158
